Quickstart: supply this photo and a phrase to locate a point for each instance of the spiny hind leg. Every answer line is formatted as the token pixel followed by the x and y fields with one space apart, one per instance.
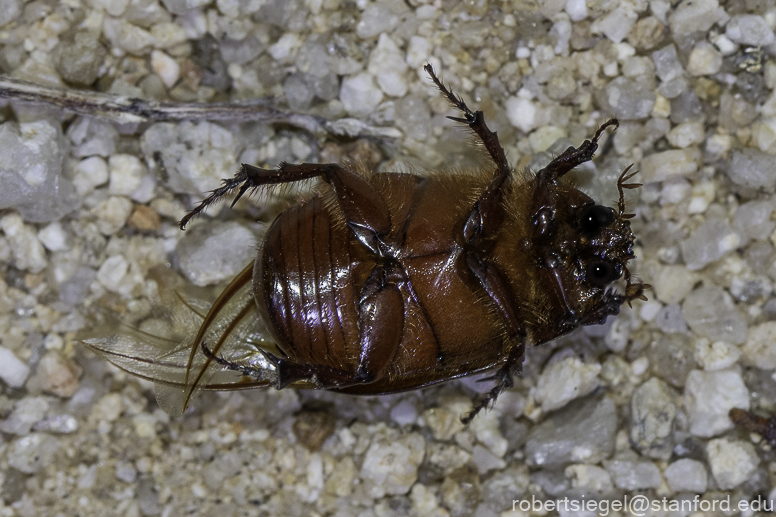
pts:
pixel 503 378
pixel 365 211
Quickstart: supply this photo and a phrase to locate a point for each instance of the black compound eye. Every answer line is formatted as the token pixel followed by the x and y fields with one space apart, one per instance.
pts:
pixel 601 273
pixel 596 217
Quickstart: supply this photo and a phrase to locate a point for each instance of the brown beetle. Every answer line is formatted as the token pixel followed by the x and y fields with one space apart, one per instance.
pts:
pixel 386 282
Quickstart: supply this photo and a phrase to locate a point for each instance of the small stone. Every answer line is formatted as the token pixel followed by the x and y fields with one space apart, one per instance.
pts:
pixel 90 173
pixel 673 283
pixel 125 472
pixel 760 347
pixel 629 472
pixel 696 16
pixel 92 136
pixel 377 18
pixel 686 475
pixel 386 63
pixel 112 272
pixel 9 11
pixel 582 432
pixel 710 312
pixel 360 95
pixel 717 355
pixel 126 174
pixel 485 461
pixel 58 375
pixel 418 51
pixel 145 219
pixel 112 214
pixel 576 9
pixel 165 67
pixel 13 372
pixel 404 413
pixel 390 466
pixel 749 29
pixel 732 461
pixel 687 134
pixel 28 252
pixel 753 219
pixel 78 57
pixel 342 478
pixel 522 113
pixel 670 319
pixel 752 168
pixel 32 453
pixel 460 492
pixel 564 380
pixel 710 242
pixel 445 420
pixel 127 36
pixel 652 419
pixel 709 397
pixel 704 59
pixel 647 33
pixel 616 25
pixel 54 237
pixel 202 255
pixel 285 48
pixel 589 479
pixel 668 164
pixel 630 99
pixel 667 64
pixel 26 413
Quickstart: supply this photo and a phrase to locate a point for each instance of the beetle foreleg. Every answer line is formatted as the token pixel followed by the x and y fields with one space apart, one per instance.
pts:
pixel 574 156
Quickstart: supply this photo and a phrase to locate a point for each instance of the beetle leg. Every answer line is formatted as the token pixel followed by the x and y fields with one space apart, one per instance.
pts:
pixel 380 324
pixel 476 121
pixel 365 211
pixel 574 156
pixel 503 378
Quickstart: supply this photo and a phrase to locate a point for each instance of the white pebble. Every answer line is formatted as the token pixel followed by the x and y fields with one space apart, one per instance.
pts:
pixel 760 347
pixel 716 355
pixel 576 9
pixel 53 237
pixel 563 381
pixel 112 272
pixel 285 47
pixel 749 29
pixel 704 59
pixel 112 214
pixel 12 371
pixel 616 25
pixel 165 67
pixel 387 64
pixel 90 173
pixel 709 396
pixel 732 461
pixel 418 51
pixel 686 134
pixel 126 174
pixel 677 162
pixel 360 95
pixel 28 252
pixel 686 475
pixel 522 113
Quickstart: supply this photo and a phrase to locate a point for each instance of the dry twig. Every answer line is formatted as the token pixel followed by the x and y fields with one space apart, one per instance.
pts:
pixel 124 109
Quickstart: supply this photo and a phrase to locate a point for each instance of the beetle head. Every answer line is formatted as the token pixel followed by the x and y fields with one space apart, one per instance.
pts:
pixel 582 254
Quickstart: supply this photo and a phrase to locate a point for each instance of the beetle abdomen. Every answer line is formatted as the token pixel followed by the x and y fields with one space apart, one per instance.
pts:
pixel 304 286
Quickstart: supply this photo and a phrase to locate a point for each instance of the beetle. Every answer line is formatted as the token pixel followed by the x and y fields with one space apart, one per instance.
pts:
pixel 387 282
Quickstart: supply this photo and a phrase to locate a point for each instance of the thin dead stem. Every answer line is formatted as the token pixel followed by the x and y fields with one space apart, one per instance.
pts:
pixel 124 109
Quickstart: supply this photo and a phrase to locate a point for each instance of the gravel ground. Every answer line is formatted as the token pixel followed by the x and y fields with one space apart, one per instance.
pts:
pixel 636 407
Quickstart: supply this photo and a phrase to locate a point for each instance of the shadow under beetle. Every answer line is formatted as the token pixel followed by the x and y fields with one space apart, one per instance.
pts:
pixel 386 282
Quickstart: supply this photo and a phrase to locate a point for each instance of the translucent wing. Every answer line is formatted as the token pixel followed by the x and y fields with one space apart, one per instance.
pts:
pixel 167 348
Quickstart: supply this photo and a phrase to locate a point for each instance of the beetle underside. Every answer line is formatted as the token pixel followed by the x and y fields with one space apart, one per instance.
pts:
pixel 375 290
